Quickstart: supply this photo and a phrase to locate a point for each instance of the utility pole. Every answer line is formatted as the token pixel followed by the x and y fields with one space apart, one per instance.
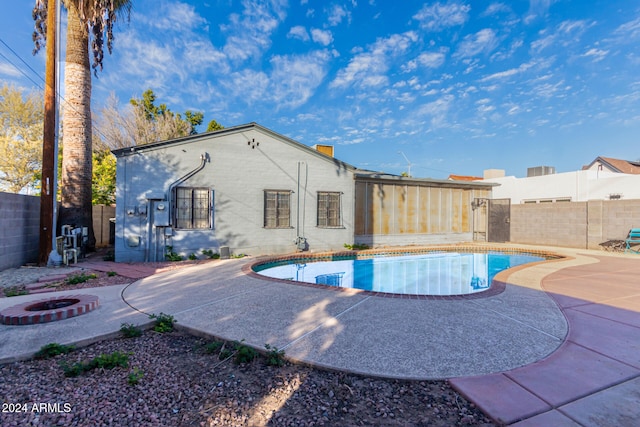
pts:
pixel 49 155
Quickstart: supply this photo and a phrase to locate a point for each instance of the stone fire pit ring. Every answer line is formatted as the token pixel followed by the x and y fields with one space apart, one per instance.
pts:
pixel 48 310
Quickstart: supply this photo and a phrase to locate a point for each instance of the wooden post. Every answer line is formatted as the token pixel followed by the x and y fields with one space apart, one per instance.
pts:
pixel 49 156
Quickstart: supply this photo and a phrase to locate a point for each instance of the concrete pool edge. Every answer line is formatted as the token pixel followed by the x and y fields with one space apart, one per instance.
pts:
pixel 497 286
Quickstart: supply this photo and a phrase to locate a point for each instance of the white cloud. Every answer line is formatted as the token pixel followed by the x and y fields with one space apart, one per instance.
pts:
pixel 495 8
pixel 425 59
pixel 439 16
pixel 248 85
pixel 323 37
pixel 437 110
pixel 508 73
pixel 596 54
pixel 629 30
pixel 250 33
pixel 431 59
pixel 173 16
pixel 9 70
pixel 369 68
pixel 295 78
pixel 298 32
pixel 568 32
pixel 537 8
pixel 483 41
pixel 337 13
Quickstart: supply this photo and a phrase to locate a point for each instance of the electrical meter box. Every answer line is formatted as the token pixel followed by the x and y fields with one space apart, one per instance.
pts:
pixel 161 214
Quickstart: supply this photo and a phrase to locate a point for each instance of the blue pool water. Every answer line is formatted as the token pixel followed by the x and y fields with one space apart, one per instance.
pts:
pixel 443 273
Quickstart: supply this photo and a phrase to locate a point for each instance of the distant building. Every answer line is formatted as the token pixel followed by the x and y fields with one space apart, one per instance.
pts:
pixel 603 179
pixel 609 164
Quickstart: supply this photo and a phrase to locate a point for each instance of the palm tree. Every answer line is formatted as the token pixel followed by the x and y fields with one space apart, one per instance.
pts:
pixel 88 22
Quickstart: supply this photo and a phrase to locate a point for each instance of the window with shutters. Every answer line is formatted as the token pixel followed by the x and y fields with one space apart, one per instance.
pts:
pixel 329 209
pixel 193 208
pixel 277 209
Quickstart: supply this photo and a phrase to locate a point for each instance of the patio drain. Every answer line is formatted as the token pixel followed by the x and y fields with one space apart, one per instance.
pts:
pixel 49 310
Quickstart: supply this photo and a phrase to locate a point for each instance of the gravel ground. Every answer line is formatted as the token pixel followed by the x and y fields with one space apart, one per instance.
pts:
pixel 182 384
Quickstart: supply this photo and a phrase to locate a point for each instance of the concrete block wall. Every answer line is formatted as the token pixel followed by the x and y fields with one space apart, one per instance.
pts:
pixel 555 224
pixel 575 224
pixel 621 215
pixel 19 229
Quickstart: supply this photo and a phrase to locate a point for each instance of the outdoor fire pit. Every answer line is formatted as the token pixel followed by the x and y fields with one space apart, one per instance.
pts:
pixel 48 310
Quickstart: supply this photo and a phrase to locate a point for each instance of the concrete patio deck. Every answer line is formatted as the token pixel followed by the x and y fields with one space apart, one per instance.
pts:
pixel 558 347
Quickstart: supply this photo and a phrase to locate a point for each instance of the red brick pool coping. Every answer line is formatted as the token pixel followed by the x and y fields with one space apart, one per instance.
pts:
pixel 498 285
pixel 19 315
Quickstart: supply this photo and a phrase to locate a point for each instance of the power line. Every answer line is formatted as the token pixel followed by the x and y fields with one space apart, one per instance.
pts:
pixel 24 62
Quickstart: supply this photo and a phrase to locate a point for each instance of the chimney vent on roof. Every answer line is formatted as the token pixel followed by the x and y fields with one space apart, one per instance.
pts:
pixel 541 170
pixel 324 149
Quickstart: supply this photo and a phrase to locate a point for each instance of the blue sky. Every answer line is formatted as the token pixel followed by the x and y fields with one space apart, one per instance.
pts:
pixel 457 86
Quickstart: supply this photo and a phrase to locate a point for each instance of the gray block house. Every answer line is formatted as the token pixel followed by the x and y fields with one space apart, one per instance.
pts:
pixel 257 192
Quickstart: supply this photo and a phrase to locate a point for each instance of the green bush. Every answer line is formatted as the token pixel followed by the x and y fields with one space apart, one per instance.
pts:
pixel 110 361
pixel 274 356
pixel 210 254
pixel 244 353
pixel 74 370
pixel 103 361
pixel 164 322
pixel 192 257
pixel 135 376
pixel 14 291
pixel 356 246
pixel 130 330
pixel 111 273
pixel 80 278
pixel 170 255
pixel 53 349
pixel 213 347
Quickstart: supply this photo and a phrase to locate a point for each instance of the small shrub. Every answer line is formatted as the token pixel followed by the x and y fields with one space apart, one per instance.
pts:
pixel 192 256
pixel 130 330
pixel 80 278
pixel 225 352
pixel 103 361
pixel 109 361
pixel 109 256
pixel 244 353
pixel 14 291
pixel 170 255
pixel 275 357
pixel 135 376
pixel 210 254
pixel 74 370
pixel 111 273
pixel 356 246
pixel 164 322
pixel 238 255
pixel 52 349
pixel 213 347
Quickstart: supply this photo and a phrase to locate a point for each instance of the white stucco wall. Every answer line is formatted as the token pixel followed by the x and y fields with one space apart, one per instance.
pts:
pixel 238 175
pixel 577 186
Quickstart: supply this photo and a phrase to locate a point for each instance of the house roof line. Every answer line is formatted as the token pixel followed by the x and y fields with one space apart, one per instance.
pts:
pixel 362 175
pixel 619 165
pixel 121 152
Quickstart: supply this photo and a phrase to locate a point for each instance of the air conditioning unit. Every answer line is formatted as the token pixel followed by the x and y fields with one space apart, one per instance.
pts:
pixel 540 171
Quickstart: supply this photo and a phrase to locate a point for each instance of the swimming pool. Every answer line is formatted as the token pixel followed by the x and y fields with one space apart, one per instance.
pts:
pixel 435 273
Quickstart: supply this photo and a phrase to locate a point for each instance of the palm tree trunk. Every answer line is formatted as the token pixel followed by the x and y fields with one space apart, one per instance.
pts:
pixel 77 165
